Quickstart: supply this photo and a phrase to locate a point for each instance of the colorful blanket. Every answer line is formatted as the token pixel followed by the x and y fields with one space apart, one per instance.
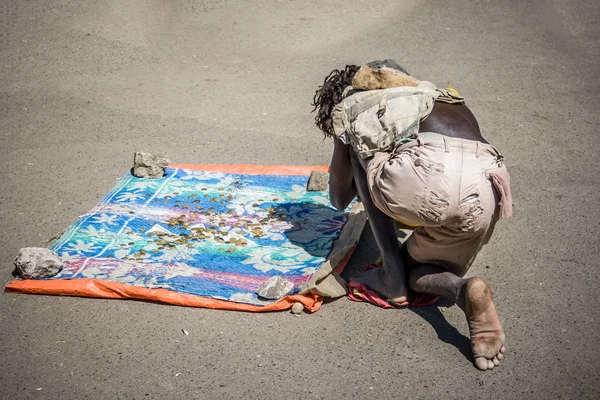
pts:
pixel 217 235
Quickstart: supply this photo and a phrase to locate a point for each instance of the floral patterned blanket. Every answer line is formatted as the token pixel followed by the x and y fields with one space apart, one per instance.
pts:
pixel 213 234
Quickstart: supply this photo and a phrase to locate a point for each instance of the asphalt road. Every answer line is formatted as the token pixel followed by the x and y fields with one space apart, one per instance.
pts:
pixel 85 84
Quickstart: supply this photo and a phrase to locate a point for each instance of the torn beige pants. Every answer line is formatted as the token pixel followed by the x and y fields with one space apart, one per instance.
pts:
pixel 451 190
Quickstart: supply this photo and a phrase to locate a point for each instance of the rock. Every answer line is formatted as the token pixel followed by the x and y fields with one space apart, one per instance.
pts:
pixel 37 262
pixel 297 308
pixel 147 165
pixel 318 181
pixel 389 63
pixel 275 288
pixel 383 78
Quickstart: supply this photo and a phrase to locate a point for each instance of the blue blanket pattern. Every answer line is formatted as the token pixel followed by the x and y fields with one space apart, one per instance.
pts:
pixel 211 234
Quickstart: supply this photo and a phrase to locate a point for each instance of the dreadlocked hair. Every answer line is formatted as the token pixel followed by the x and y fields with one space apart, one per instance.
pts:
pixel 330 94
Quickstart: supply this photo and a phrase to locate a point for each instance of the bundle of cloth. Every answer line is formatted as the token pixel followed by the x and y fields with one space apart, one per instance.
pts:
pixel 383 107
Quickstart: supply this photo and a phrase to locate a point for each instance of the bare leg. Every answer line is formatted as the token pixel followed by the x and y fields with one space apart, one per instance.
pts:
pixel 389 280
pixel 474 298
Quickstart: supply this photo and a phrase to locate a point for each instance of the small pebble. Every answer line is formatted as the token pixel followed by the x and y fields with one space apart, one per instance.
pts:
pixel 297 308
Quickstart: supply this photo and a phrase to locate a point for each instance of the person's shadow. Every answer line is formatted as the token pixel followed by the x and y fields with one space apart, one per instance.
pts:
pixel 310 219
pixel 445 332
pixel 366 252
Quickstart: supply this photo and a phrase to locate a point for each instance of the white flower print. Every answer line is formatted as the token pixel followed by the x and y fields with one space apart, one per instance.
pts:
pixel 66 257
pixel 121 253
pixel 79 246
pixel 177 253
pixel 296 193
pixel 94 272
pixel 105 219
pixel 299 193
pixel 129 196
pixel 96 233
pixel 282 260
pixel 140 185
pixel 201 175
pixel 122 273
pixel 309 271
pixel 179 269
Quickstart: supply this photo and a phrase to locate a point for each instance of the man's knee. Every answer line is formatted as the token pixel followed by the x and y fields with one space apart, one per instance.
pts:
pixel 413 278
pixel 409 262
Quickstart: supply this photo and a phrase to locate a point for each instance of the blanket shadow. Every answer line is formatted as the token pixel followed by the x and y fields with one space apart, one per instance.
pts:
pixel 310 221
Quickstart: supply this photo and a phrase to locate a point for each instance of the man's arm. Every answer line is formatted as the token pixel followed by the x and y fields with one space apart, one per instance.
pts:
pixel 341 179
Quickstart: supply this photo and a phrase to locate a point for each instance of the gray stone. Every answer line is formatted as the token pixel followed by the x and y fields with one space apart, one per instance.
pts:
pixel 297 308
pixel 378 64
pixel 318 181
pixel 148 165
pixel 37 262
pixel 275 288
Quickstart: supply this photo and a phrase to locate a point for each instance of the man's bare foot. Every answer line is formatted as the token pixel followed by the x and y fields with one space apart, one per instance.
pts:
pixel 487 335
pixel 389 281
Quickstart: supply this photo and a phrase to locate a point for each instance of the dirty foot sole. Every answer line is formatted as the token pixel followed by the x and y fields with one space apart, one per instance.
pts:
pixel 487 335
